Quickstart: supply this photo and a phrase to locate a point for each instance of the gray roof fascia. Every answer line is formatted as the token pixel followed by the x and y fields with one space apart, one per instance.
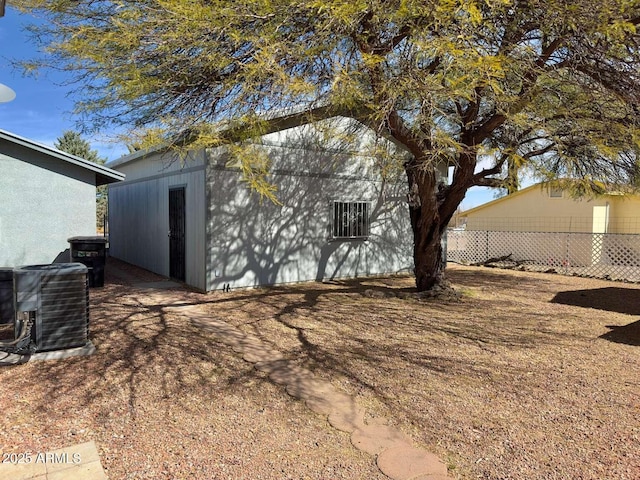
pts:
pixel 104 175
pixel 135 156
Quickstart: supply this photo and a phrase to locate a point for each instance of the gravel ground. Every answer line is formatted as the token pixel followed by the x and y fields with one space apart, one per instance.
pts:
pixel 529 376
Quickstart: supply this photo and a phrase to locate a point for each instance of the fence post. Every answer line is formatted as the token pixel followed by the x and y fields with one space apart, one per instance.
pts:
pixel 486 257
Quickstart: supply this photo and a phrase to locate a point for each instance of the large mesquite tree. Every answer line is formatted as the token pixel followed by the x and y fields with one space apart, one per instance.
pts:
pixel 487 87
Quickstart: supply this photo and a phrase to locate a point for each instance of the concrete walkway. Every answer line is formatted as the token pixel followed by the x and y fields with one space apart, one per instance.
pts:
pixel 396 456
pixel 78 462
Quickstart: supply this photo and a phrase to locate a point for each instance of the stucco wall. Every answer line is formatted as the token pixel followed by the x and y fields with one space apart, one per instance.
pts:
pixel 534 210
pixel 625 214
pixel 43 202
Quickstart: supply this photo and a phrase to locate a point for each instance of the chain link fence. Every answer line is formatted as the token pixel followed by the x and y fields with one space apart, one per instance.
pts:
pixel 601 255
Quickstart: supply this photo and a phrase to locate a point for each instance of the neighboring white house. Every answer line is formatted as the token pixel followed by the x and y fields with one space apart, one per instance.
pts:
pixel 196 220
pixel 46 196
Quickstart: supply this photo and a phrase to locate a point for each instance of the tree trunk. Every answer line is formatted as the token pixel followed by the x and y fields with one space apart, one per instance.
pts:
pixel 428 259
pixel 426 225
pixel 431 206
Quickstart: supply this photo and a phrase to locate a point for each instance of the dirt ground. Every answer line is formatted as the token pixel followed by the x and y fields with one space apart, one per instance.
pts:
pixel 529 376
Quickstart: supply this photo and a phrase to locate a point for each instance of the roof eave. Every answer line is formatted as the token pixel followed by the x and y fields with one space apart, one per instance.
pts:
pixel 501 199
pixel 282 120
pixel 104 175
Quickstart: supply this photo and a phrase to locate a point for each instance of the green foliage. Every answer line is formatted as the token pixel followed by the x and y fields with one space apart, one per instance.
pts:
pixel 445 78
pixel 547 85
pixel 73 143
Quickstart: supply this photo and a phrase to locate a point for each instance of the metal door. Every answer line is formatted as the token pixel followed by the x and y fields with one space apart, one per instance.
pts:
pixel 177 233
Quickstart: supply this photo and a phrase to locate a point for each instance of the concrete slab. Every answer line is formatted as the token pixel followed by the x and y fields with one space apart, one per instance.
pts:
pixel 22 471
pixel 88 349
pixel 283 372
pixel 319 405
pixel 348 419
pixel 253 354
pixel 161 285
pixel 78 462
pixel 310 387
pixel 227 334
pixel 7 359
pixel 406 463
pixel 331 401
pixel 288 374
pixel 375 439
pixel 72 456
pixel 14 359
pixel 89 471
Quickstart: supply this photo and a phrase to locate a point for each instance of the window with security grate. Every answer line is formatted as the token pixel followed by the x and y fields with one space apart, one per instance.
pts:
pixel 350 220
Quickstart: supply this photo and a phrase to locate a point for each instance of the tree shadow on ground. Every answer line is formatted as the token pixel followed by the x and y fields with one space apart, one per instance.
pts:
pixel 627 334
pixel 141 339
pixel 158 363
pixel 483 276
pixel 146 355
pixel 138 338
pixel 155 369
pixel 315 325
pixel 363 344
pixel 611 299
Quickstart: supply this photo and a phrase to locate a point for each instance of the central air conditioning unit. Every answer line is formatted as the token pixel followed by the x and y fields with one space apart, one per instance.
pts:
pixel 6 296
pixel 54 301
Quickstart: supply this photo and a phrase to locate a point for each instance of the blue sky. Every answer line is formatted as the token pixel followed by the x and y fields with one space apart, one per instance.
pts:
pixel 42 109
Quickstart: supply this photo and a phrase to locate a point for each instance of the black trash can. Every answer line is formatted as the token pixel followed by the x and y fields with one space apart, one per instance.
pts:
pixel 91 252
pixel 6 295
